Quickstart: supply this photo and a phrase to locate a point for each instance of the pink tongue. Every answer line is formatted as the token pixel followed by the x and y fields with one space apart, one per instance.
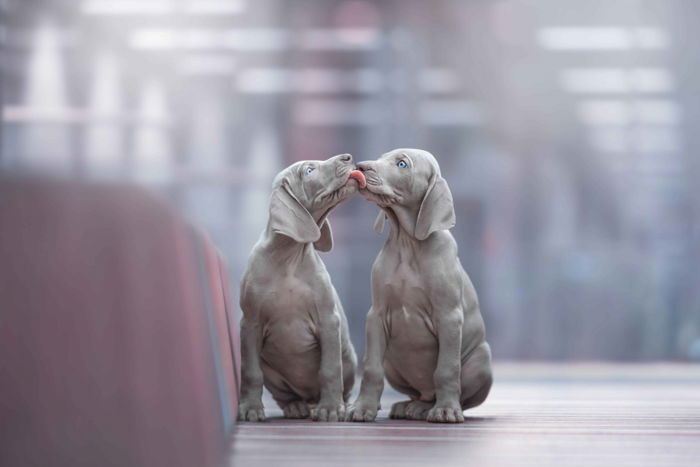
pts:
pixel 360 177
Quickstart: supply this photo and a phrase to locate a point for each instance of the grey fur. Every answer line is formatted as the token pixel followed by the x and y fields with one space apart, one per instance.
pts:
pixel 294 333
pixel 424 330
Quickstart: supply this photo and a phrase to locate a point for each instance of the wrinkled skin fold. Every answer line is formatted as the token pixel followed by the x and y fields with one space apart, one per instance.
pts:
pixel 294 333
pixel 424 331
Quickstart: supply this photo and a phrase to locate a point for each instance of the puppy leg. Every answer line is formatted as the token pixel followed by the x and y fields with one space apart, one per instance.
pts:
pixel 250 406
pixel 476 377
pixel 365 407
pixel 331 407
pixel 349 370
pixel 447 408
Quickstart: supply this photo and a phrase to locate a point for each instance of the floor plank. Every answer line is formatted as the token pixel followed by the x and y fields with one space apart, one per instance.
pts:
pixel 537 414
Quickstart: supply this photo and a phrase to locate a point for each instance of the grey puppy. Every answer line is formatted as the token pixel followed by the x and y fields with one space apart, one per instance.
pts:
pixel 294 333
pixel 424 330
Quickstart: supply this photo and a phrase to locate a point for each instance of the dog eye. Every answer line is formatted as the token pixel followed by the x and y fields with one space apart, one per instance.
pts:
pixel 309 170
pixel 402 164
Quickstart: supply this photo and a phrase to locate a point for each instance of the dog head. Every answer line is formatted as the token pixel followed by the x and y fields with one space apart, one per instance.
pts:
pixel 303 195
pixel 408 183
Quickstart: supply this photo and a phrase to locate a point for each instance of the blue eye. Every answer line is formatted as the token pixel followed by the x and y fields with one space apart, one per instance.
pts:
pixel 402 164
pixel 309 170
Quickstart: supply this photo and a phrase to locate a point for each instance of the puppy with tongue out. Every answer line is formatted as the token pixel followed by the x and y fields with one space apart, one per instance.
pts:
pixel 294 333
pixel 360 177
pixel 424 331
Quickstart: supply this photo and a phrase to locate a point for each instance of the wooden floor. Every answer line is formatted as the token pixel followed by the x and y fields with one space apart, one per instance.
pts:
pixel 582 414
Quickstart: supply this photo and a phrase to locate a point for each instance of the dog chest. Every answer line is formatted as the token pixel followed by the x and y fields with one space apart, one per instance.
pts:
pixel 289 316
pixel 292 294
pixel 399 282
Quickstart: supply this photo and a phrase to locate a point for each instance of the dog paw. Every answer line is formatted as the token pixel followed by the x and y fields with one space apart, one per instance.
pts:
pixel 398 410
pixel 418 410
pixel 296 409
pixel 442 414
pixel 333 412
pixel 360 412
pixel 251 412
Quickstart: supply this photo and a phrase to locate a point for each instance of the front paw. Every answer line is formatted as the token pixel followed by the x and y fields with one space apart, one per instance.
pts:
pixel 445 414
pixel 251 411
pixel 361 411
pixel 328 412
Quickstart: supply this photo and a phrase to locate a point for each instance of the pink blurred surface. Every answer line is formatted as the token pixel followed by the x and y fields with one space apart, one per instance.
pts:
pixel 116 344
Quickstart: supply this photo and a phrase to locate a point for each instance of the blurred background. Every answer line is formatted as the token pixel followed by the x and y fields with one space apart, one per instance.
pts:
pixel 566 129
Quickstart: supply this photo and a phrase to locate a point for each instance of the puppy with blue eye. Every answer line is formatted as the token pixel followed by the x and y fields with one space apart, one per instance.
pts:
pixel 294 333
pixel 424 331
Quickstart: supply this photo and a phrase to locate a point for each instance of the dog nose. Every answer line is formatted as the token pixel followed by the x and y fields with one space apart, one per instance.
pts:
pixel 364 166
pixel 346 158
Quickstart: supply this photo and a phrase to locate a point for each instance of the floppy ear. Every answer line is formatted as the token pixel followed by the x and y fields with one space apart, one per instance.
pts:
pixel 379 222
pixel 437 210
pixel 288 217
pixel 325 243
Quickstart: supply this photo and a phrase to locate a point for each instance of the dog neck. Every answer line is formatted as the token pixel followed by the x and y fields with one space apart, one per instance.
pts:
pixel 320 215
pixel 283 249
pixel 403 224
